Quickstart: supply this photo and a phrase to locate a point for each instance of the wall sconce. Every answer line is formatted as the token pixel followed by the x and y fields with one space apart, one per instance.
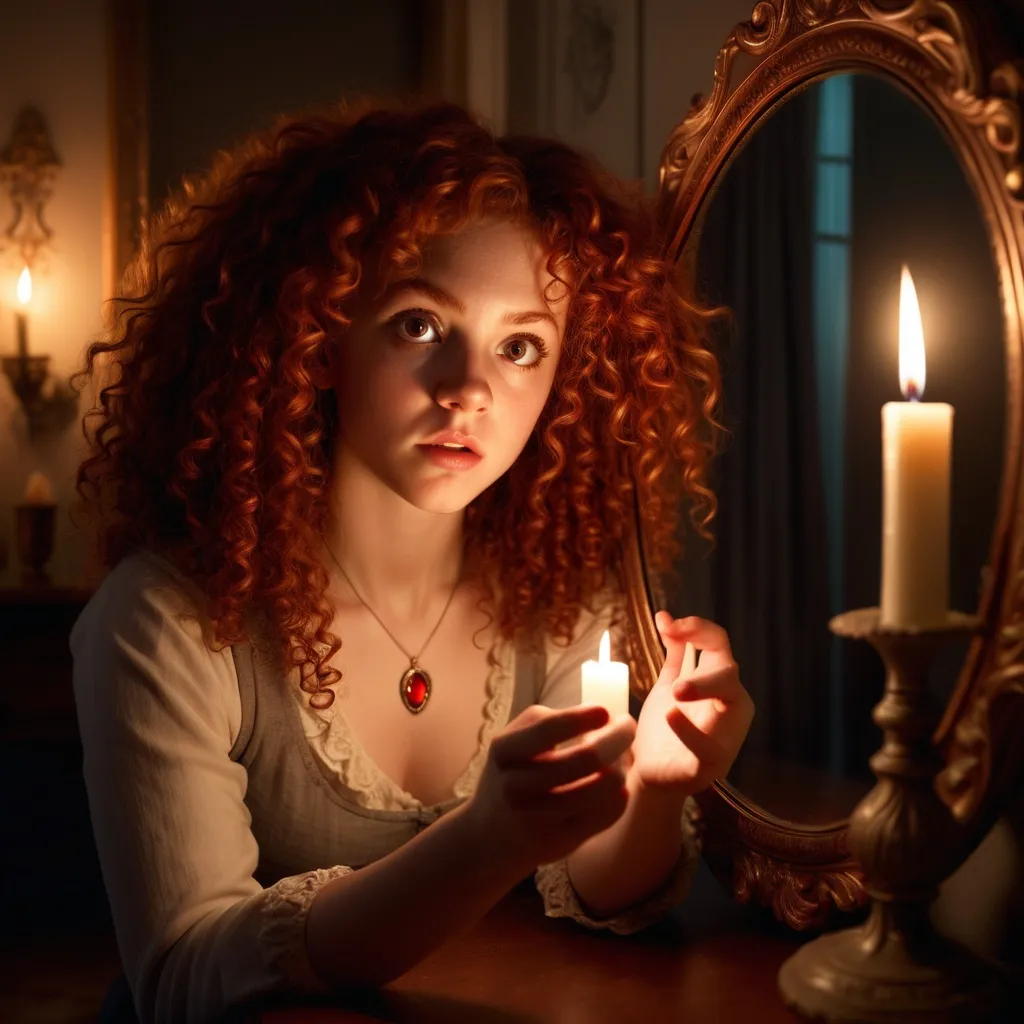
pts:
pixel 28 165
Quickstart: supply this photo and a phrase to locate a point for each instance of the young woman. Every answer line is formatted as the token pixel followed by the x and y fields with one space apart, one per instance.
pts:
pixel 329 639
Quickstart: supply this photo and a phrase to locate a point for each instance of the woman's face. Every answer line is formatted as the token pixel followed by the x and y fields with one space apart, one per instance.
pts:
pixel 471 345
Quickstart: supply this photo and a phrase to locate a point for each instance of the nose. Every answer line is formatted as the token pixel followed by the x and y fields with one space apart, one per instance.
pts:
pixel 462 379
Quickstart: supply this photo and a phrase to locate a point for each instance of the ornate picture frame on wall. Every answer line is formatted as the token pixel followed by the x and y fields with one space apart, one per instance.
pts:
pixel 575 74
pixel 128 189
pixel 930 50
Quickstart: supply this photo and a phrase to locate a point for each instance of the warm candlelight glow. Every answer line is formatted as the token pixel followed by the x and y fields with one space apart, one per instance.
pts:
pixel 25 287
pixel 38 490
pixel 916 466
pixel 606 682
pixel 912 364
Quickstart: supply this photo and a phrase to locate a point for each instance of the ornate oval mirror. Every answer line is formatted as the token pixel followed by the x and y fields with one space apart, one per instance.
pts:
pixel 863 138
pixel 803 240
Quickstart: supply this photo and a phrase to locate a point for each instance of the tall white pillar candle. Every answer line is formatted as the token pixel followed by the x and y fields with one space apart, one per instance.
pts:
pixel 916 447
pixel 606 682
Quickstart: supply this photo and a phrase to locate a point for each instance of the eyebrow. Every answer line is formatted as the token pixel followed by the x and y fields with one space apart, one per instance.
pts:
pixel 443 298
pixel 530 318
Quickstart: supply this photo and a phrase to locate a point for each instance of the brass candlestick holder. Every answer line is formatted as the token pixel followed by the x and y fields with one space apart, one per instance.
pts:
pixel 895 966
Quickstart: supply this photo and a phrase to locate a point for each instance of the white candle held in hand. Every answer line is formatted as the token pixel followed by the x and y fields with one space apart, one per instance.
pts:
pixel 916 444
pixel 606 682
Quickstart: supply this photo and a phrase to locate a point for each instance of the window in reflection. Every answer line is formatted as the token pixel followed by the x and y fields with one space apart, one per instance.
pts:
pixel 831 297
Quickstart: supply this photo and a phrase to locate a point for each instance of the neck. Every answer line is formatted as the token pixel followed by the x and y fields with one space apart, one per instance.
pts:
pixel 402 561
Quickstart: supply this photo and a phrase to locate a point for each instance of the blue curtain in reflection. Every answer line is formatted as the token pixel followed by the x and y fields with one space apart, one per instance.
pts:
pixel 833 221
pixel 767 578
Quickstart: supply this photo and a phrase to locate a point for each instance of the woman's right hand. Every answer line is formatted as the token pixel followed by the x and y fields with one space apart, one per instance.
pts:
pixel 536 801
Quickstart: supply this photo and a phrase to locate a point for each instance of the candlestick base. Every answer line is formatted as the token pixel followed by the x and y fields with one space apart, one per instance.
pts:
pixel 874 975
pixel 896 967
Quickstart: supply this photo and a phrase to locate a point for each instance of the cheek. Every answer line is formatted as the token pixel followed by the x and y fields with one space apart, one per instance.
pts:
pixel 543 392
pixel 526 410
pixel 385 385
pixel 373 394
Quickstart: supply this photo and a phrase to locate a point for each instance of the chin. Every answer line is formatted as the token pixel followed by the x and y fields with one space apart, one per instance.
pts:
pixel 444 507
pixel 446 494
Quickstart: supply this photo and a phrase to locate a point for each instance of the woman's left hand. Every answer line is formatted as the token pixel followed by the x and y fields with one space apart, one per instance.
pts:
pixel 695 719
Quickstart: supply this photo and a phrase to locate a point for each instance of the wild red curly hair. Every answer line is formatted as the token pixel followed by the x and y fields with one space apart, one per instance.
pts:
pixel 211 446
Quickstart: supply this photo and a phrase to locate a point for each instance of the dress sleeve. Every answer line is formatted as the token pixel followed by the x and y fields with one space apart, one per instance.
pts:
pixel 562 688
pixel 158 711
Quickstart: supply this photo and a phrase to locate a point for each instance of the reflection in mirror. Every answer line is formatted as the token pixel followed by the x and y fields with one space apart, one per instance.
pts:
pixel 804 239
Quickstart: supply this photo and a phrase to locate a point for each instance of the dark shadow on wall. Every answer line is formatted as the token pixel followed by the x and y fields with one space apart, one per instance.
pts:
pixel 220 71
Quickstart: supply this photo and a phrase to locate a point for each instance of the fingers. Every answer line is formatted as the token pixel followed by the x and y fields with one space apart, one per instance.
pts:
pixel 706 636
pixel 538 729
pixel 722 683
pixel 595 806
pixel 706 749
pixel 603 793
pixel 674 646
pixel 599 751
pixel 689 660
pixel 609 742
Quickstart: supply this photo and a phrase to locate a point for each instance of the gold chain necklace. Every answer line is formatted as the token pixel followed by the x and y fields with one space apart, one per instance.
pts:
pixel 415 685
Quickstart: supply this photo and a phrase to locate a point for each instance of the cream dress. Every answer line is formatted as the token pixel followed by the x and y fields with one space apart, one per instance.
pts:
pixel 221 802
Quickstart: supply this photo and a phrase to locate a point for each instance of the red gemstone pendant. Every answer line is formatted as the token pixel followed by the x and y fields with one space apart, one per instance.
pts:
pixel 415 690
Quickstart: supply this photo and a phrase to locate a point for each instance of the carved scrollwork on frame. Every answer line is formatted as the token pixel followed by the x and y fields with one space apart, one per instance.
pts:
pixel 994 712
pixel 929 43
pixel 803 900
pixel 128 210
pixel 803 879
pixel 931 49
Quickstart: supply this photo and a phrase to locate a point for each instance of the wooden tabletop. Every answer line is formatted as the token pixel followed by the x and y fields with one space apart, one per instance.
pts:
pixel 711 960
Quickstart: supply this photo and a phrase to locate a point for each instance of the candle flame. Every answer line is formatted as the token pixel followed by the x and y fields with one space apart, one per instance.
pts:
pixel 605 650
pixel 912 363
pixel 25 287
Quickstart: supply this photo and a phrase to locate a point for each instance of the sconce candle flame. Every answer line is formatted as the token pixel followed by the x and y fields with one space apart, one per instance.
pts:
pixel 912 362
pixel 25 287
pixel 21 319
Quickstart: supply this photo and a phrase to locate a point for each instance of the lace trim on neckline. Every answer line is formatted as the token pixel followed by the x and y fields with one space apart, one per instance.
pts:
pixel 343 758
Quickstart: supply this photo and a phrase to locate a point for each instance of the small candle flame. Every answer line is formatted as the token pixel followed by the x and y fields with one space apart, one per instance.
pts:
pixel 25 287
pixel 912 363
pixel 604 652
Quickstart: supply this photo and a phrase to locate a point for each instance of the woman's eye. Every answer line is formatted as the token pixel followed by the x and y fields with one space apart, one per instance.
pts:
pixel 525 352
pixel 519 348
pixel 416 327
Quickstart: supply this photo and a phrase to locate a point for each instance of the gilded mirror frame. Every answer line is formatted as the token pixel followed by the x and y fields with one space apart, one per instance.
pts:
pixel 930 49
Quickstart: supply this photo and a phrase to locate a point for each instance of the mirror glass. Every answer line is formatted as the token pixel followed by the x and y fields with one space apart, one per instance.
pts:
pixel 803 239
